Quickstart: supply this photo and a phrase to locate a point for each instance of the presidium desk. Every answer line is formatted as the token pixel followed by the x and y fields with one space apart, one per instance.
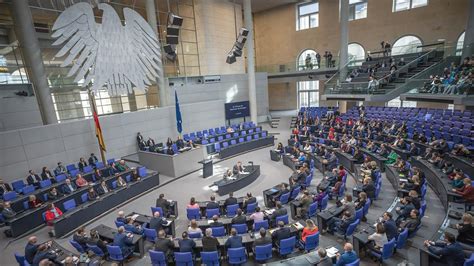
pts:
pixel 176 165
pixel 251 174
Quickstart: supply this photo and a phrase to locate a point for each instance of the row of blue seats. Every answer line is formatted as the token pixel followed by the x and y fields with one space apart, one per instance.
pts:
pixel 216 131
pixel 225 144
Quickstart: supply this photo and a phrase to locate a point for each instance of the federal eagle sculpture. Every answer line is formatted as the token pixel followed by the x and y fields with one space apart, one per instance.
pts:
pixel 108 54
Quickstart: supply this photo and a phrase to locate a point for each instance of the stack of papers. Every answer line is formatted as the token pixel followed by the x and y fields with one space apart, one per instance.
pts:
pixel 298 226
pixel 135 216
pixel 332 251
pixel 269 211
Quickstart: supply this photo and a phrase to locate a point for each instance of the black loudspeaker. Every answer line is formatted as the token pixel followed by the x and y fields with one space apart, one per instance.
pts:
pixel 230 58
pixel 242 39
pixel 244 32
pixel 169 48
pixel 171 39
pixel 171 56
pixel 172 31
pixel 175 20
pixel 239 45
pixel 237 52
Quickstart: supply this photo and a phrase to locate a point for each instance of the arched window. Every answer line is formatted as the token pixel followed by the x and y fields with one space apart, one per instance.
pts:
pixel 356 53
pixel 406 45
pixel 302 64
pixel 460 44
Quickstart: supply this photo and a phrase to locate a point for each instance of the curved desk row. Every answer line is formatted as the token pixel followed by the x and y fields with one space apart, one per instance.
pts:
pixel 246 146
pixel 462 163
pixel 93 209
pixel 226 186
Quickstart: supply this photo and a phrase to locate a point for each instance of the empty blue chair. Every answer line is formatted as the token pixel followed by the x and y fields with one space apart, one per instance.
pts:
pixel 312 242
pixel 359 213
pixel 228 136
pixel 248 138
pixel 387 251
pixel 251 207
pixel 264 134
pixel 255 136
pixel 128 178
pixel 241 140
pixel 74 173
pixel 422 209
pixel 195 235
pixel 99 165
pixel 71 167
pixel 18 186
pixel 150 234
pixel 261 224
pixel 77 246
pixel 366 207
pixel 210 258
pixel 21 260
pixel 142 172
pixel 217 146
pixel 212 140
pixel 237 256
pixel 45 183
pixel 231 210
pixel 263 253
pixel 114 184
pixel 183 258
pixel 218 231
pixel 225 144
pixel 69 205
pixel 118 224
pixel 233 142
pixel 157 258
pixel 204 142
pixel 193 213
pixel 88 169
pixel 84 197
pixel 313 208
pixel 115 253
pixel 110 161
pixel 11 195
pixel 295 192
pixel 157 209
pixel 284 198
pixel 402 239
pixel 235 135
pixel 324 203
pixel 283 218
pixel 211 212
pixel 286 246
pixel 240 228
pixel 61 178
pixel 97 251
pixel 28 189
pixel 25 205
pixel 355 263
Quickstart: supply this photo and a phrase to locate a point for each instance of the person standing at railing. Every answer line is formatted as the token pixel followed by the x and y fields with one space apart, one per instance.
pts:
pixel 373 84
pixel 308 63
pixel 318 60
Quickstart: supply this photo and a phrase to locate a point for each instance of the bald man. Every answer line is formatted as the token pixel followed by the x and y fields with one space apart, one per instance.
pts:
pixel 121 217
pixel 31 249
pixel 349 256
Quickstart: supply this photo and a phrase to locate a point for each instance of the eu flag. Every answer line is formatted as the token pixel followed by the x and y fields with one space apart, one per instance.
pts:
pixel 179 120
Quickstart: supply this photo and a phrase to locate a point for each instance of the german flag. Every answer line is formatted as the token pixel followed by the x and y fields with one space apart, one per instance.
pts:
pixel 98 131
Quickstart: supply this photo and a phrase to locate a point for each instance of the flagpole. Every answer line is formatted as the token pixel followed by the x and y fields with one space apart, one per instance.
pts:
pixel 94 110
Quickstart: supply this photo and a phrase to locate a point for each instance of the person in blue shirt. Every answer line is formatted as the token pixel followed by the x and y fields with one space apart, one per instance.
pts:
pixel 450 251
pixel 302 158
pixel 132 228
pixel 124 241
pixel 391 229
pixel 349 256
pixel 234 241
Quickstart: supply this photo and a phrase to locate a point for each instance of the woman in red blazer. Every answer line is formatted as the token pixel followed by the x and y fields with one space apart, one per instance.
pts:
pixel 53 213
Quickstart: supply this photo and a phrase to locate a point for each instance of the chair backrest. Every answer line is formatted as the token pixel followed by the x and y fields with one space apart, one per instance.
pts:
pixel 422 209
pixel 114 184
pixel 84 197
pixel 312 242
pixel 115 253
pixel 150 234
pixel 118 224
pixel 284 198
pixel 240 228
pixel 261 224
pixel 69 205
pixel 97 251
pixel 295 192
pixel 99 165
pixel 88 169
pixel 351 228
pixel 324 202
pixel 183 258
pixel 283 218
pixel 28 189
pixel 157 209
pixel 263 253
pixel 402 239
pixel 60 178
pixel 388 248
pixel 77 246
pixel 193 213
pixel 20 259
pixel 231 210
pixel 210 258
pixel 110 161
pixel 26 206
pixel 359 213
pixel 287 245
pixel 218 231
pixel 237 255
pixel 18 185
pixel 128 178
pixel 74 173
pixel 251 207
pixel 157 258
pixel 9 196
pixel 313 208
pixel 470 261
pixel 71 167
pixel 211 212
pixel 45 183
pixel 195 235
pixel 142 171
pixel 367 206
pixel 355 263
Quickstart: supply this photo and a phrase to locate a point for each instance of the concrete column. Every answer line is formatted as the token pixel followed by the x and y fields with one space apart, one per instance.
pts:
pixel 151 16
pixel 248 19
pixel 344 42
pixel 32 55
pixel 468 46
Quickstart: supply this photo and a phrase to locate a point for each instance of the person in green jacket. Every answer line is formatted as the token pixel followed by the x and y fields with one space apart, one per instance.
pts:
pixel 392 158
pixel 458 181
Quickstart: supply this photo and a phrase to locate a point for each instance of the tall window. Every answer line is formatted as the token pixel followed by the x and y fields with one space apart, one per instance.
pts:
pixel 357 9
pixel 356 53
pixel 406 45
pixel 303 64
pixel 460 44
pixel 308 93
pixel 308 16
pixel 400 5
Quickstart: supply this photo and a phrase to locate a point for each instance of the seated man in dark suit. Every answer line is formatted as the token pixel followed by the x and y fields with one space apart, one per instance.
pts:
pixel 238 169
pixel 213 204
pixel 209 243
pixel 164 245
pixel 124 241
pixel 215 222
pixel 4 188
pixel 283 190
pixel 81 237
pixel 93 160
pixel 404 210
pixel 31 249
pixel 339 225
pixel 391 229
pixel 33 178
pixel 249 199
pixel 157 222
pixel 69 187
pixel 186 244
pixel 279 211
pixel 164 204
pixel 263 240
pixel 230 200
pixel 281 233
pixel 450 251
pixel 234 241
pixel 239 218
pixel 410 223
pixel 7 210
pixel 44 254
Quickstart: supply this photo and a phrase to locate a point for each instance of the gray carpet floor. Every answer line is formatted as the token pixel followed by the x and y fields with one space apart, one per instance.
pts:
pixel 193 185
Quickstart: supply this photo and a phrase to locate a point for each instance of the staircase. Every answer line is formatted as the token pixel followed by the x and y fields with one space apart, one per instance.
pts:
pixel 293 122
pixel 274 122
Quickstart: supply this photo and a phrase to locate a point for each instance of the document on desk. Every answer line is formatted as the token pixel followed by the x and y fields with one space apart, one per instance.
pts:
pixel 269 211
pixel 135 216
pixel 210 221
pixel 403 180
pixel 168 222
pixel 298 226
pixel 332 251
